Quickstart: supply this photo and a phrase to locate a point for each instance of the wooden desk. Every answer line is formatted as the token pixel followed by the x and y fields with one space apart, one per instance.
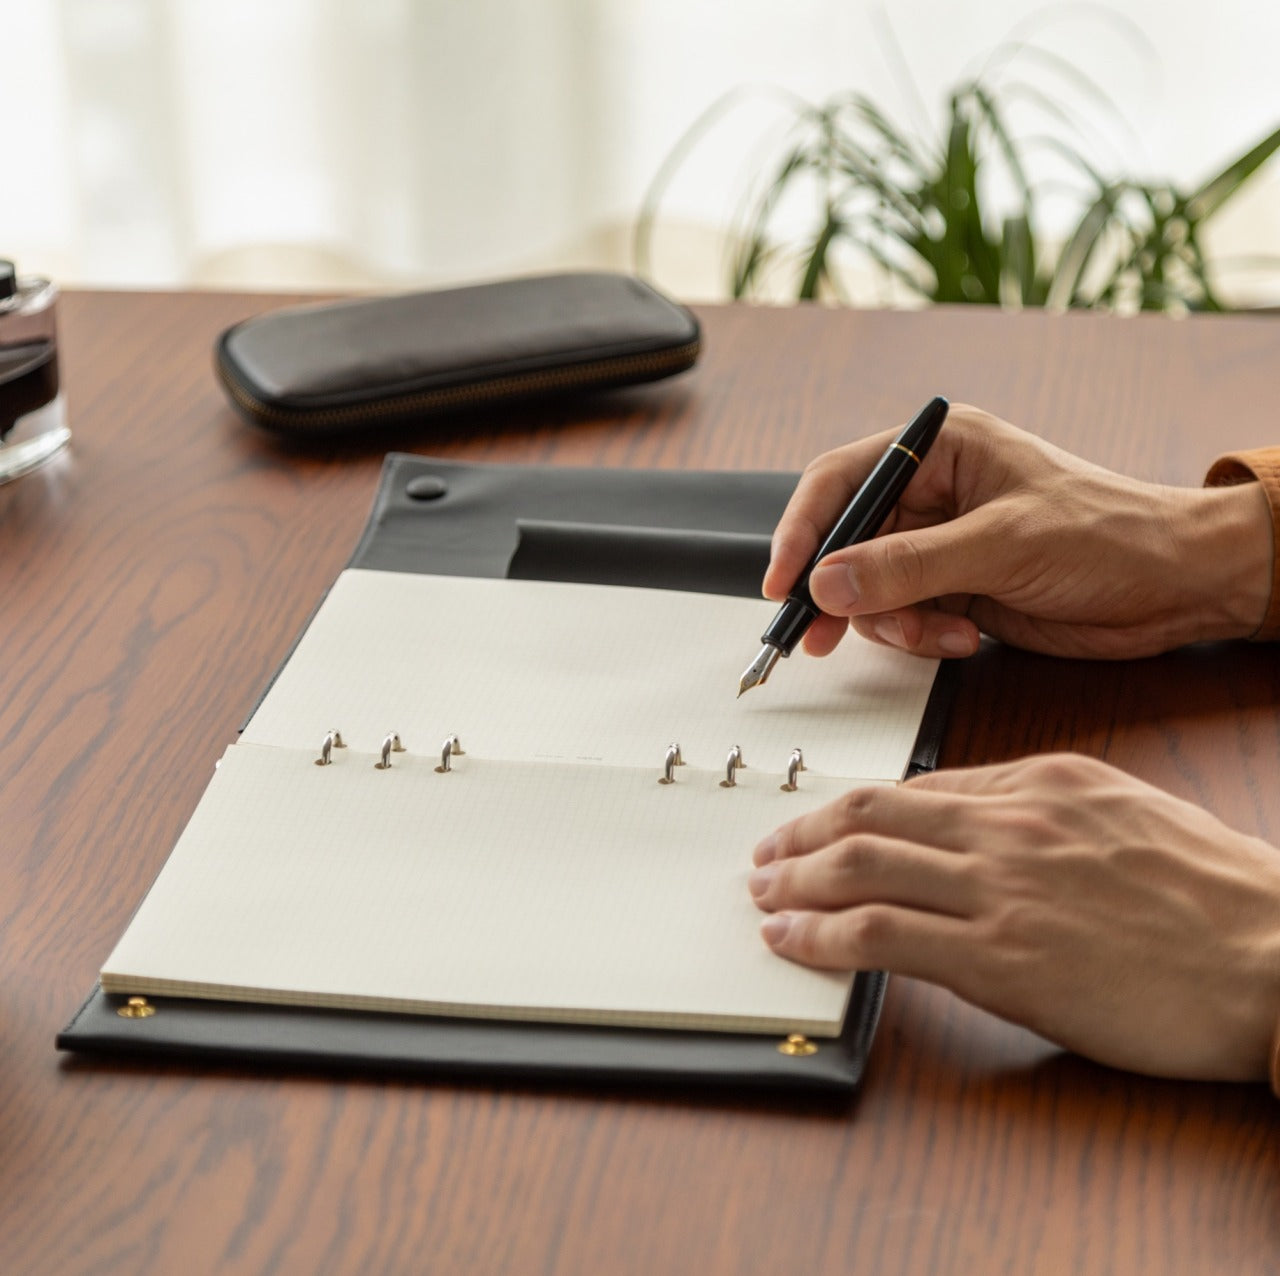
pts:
pixel 152 580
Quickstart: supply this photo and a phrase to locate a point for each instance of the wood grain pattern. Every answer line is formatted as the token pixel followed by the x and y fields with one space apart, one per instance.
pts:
pixel 151 581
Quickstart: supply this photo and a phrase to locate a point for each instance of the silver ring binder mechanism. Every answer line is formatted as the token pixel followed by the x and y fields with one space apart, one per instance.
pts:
pixel 794 766
pixel 673 760
pixel 392 743
pixel 389 746
pixel 732 765
pixel 333 740
pixel 450 750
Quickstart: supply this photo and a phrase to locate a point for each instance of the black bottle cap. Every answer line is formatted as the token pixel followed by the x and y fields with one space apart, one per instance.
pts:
pixel 8 279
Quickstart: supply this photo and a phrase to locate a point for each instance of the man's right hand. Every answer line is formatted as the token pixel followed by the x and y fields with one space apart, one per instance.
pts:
pixel 1004 534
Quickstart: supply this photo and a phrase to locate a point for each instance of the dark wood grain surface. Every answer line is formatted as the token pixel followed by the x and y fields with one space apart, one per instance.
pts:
pixel 153 578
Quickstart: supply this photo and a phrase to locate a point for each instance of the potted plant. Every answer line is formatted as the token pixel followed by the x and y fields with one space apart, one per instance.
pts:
pixel 955 217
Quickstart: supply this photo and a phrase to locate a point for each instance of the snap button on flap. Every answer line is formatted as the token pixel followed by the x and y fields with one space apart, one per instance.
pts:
pixel 136 1008
pixel 426 487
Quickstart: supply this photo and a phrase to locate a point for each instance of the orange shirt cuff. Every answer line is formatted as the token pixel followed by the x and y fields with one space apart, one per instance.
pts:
pixel 1263 466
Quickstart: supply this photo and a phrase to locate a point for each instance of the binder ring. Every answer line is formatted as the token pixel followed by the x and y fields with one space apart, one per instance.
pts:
pixel 333 740
pixel 389 746
pixel 673 760
pixel 794 766
pixel 450 747
pixel 731 767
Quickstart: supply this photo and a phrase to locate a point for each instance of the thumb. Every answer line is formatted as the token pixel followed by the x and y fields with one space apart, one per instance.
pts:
pixel 964 556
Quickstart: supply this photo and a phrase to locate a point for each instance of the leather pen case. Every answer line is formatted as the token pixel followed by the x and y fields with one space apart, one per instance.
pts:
pixel 333 368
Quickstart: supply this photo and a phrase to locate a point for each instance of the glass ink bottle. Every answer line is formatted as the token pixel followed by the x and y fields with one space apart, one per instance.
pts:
pixel 32 425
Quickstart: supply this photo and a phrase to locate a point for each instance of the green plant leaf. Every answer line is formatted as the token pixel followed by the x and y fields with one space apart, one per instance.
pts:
pixel 1008 148
pixel 1215 192
pixel 1020 282
pixel 1073 261
pixel 816 263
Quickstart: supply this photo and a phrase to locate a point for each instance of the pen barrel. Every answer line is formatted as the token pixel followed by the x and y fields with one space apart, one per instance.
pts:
pixel 862 519
pixel 864 516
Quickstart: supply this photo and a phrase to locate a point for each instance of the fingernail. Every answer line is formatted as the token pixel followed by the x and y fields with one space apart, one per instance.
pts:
pixel 955 642
pixel 767 851
pixel 834 586
pixel 889 630
pixel 760 881
pixel 774 929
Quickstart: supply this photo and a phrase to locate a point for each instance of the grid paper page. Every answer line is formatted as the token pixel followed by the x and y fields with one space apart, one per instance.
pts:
pixel 512 890
pixel 527 670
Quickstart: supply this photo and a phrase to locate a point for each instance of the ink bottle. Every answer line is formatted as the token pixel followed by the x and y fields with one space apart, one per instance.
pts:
pixel 32 425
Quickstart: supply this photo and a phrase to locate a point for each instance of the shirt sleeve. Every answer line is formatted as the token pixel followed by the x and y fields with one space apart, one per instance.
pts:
pixel 1262 466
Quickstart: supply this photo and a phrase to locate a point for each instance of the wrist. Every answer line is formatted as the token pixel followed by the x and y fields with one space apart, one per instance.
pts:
pixel 1227 552
pixel 1264 980
pixel 1271 982
pixel 1260 986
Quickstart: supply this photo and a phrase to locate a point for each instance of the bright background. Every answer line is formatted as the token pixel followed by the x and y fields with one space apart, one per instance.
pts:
pixel 385 143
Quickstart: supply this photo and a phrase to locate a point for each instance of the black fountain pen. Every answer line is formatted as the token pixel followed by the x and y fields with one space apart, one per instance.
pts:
pixel 862 519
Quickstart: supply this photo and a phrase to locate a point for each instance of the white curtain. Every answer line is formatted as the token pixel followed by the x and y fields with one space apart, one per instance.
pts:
pixel 388 143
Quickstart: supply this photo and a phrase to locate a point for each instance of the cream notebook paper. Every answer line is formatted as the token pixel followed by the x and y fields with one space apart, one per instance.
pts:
pixel 547 874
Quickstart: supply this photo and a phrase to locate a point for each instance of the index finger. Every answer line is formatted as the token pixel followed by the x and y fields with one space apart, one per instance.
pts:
pixel 827 485
pixel 937 820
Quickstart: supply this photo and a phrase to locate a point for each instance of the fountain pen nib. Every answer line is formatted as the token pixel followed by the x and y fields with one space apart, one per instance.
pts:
pixel 760 668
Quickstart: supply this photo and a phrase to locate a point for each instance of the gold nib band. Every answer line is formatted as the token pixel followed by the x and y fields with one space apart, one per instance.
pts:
pixel 908 451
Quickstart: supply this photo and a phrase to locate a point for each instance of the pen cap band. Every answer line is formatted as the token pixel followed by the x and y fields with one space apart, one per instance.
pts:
pixel 792 621
pixel 1263 466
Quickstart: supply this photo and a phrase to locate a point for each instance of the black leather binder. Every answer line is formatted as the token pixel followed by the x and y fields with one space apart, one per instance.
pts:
pixel 706 531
